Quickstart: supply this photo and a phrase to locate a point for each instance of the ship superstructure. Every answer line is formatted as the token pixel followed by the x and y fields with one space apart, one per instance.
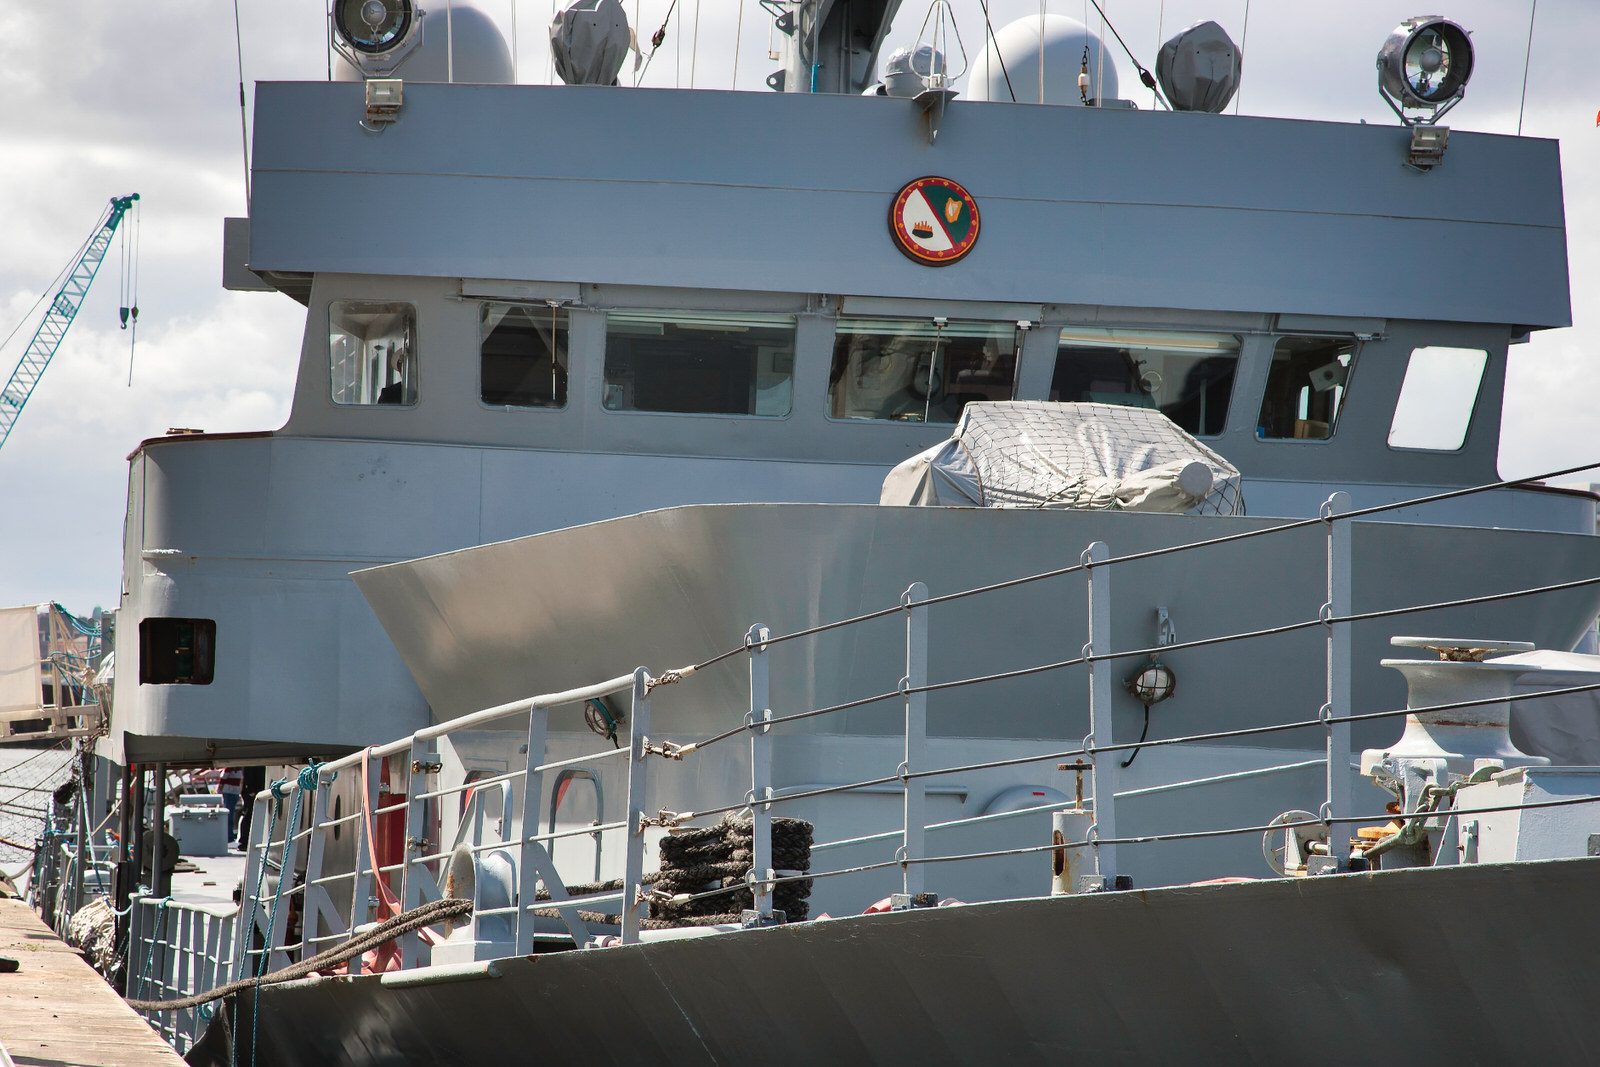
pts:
pixel 598 391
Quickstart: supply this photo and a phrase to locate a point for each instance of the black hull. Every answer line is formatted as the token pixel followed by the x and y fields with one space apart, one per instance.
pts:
pixel 1477 964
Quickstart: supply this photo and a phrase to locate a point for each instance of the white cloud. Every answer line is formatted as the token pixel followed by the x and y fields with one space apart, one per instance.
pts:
pixel 105 97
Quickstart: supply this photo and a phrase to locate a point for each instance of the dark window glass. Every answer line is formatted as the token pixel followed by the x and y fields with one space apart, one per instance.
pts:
pixel 920 370
pixel 1305 388
pixel 1189 377
pixel 714 363
pixel 177 651
pixel 524 356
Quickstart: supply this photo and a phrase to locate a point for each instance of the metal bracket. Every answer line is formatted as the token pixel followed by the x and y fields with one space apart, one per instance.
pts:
pixel 751 919
pixel 1165 634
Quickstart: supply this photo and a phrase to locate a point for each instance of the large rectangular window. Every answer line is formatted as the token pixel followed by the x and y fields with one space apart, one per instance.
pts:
pixel 1305 388
pixel 714 363
pixel 523 356
pixel 1189 377
pixel 372 352
pixel 920 370
pixel 1437 397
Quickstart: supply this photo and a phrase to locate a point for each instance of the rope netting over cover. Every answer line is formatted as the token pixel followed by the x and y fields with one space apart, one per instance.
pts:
pixel 1038 454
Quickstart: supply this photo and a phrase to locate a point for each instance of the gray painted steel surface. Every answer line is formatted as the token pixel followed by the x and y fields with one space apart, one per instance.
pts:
pixel 1473 964
pixel 490 624
pixel 1080 205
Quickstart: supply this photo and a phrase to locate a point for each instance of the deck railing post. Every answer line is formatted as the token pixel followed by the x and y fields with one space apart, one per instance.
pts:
pixel 254 857
pixel 532 797
pixel 312 907
pixel 633 906
pixel 362 889
pixel 1102 773
pixel 414 880
pixel 916 739
pixel 1338 801
pixel 761 873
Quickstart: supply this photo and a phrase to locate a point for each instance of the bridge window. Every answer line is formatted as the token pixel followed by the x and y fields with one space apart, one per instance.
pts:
pixel 177 651
pixel 372 352
pixel 920 370
pixel 524 350
pixel 1188 377
pixel 1437 398
pixel 1305 388
pixel 714 364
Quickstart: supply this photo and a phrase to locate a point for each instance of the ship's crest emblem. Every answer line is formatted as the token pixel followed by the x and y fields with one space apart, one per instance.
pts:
pixel 934 221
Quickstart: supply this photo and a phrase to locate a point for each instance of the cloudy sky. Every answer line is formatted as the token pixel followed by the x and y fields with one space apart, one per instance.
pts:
pixel 100 98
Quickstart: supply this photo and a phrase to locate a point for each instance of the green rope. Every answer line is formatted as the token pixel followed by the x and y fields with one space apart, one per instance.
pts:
pixel 307 780
pixel 150 957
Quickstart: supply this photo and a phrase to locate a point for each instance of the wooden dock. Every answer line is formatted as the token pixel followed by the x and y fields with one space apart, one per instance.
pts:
pixel 55 1010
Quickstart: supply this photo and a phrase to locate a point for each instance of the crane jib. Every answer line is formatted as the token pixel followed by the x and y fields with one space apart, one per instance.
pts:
pixel 63 309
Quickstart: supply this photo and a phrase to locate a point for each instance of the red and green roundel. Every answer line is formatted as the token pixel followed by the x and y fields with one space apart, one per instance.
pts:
pixel 934 221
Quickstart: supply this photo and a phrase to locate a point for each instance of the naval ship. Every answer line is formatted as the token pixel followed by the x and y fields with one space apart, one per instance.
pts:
pixel 574 567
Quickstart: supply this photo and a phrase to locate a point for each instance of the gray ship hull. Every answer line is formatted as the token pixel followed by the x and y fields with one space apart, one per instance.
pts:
pixel 1472 964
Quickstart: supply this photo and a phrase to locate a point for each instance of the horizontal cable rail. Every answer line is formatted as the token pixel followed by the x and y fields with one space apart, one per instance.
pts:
pixel 391 882
pixel 1530 481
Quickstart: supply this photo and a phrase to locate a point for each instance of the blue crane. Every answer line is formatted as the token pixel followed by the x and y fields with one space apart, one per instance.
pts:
pixel 63 309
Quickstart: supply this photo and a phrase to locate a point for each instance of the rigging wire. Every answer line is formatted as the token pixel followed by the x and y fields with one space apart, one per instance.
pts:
pixel 694 49
pixel 1161 21
pixel 738 33
pixel 1527 56
pixel 1244 39
pixel 996 46
pixel 128 284
pixel 1145 77
pixel 244 132
pixel 656 40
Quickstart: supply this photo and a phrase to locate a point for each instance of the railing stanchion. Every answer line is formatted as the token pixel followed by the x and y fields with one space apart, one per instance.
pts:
pixel 761 873
pixel 414 883
pixel 362 889
pixel 1102 773
pixel 1339 667
pixel 312 908
pixel 633 865
pixel 254 857
pixel 532 797
pixel 916 741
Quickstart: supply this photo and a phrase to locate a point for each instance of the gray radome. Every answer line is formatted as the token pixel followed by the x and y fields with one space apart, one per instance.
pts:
pixel 481 54
pixel 1018 44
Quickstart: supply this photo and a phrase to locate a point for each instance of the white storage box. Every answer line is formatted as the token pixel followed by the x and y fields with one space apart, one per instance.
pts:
pixel 201 827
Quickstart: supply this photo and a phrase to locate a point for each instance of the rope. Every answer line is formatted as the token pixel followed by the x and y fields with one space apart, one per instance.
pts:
pixel 161 907
pixel 304 782
pixel 426 915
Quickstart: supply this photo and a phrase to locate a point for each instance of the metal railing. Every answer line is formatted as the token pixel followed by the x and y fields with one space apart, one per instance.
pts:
pixel 289 876
pixel 177 949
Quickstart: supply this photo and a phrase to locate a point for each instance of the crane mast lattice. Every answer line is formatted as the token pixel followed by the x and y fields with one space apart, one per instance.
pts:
pixel 59 315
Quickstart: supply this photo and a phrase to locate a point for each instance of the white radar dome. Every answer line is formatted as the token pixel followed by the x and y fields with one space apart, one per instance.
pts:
pixel 1018 45
pixel 481 56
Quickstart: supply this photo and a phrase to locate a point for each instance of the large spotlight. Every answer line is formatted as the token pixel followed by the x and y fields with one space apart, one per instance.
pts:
pixel 1424 66
pixel 376 35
